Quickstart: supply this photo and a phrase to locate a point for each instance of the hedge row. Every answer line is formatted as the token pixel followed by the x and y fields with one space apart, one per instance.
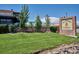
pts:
pixel 11 28
pixel 4 28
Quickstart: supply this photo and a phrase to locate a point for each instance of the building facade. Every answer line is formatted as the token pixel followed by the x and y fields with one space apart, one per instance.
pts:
pixel 8 17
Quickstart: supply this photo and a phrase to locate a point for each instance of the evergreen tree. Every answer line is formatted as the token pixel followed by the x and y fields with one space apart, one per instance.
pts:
pixel 38 24
pixel 31 25
pixel 47 22
pixel 24 15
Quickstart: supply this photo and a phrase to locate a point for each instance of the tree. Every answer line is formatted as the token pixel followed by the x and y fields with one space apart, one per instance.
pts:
pixel 23 16
pixel 31 25
pixel 47 22
pixel 38 24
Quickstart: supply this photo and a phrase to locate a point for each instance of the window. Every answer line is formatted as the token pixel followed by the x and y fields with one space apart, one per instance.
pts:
pixel 5 21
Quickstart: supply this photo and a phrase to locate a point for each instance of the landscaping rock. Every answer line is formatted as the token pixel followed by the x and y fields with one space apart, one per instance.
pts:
pixel 63 49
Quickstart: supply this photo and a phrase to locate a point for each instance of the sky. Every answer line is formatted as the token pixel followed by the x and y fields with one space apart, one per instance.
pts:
pixel 53 10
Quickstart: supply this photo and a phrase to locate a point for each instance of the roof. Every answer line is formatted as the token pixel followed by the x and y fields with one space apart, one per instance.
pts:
pixel 6 11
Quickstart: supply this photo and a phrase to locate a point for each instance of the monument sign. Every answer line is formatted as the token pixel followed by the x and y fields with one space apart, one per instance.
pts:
pixel 68 26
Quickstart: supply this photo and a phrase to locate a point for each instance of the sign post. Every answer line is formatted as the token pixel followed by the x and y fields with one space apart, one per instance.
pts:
pixel 68 26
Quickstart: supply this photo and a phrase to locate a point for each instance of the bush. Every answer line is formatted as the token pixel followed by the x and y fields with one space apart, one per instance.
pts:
pixel 4 28
pixel 10 28
pixel 16 27
pixel 13 27
pixel 53 29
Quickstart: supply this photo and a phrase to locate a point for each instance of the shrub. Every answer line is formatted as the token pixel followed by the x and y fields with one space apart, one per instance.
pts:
pixel 4 28
pixel 16 27
pixel 13 27
pixel 10 28
pixel 16 24
pixel 53 29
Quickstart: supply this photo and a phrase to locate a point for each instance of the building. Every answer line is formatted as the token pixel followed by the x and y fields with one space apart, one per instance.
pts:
pixel 8 17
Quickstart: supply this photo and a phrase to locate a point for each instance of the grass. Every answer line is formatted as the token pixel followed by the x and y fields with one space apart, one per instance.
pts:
pixel 22 43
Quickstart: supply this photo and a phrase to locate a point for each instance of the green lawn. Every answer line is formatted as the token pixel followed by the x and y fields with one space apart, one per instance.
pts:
pixel 31 42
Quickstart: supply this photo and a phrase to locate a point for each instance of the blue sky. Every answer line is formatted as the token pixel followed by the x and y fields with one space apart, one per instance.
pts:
pixel 53 10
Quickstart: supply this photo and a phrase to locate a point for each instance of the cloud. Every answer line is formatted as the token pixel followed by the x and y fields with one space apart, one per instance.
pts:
pixel 78 23
pixel 43 19
pixel 53 20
